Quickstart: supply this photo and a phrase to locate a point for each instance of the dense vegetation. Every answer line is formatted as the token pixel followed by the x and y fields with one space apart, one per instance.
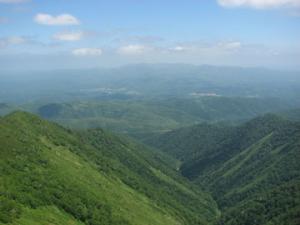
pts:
pixel 53 175
pixel 252 170
pixel 56 175
pixel 234 172
pixel 141 118
pixel 293 114
pixel 184 145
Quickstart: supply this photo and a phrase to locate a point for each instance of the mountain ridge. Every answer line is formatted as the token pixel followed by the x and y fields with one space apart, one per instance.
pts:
pixel 89 178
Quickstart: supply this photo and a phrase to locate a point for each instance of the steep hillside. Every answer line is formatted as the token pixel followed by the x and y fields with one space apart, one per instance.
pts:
pixel 252 170
pixel 235 141
pixel 52 175
pixel 184 145
pixel 6 108
pixel 293 114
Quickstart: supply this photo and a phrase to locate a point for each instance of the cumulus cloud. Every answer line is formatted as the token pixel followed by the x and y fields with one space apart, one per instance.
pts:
pixel 63 19
pixel 87 52
pixel 13 1
pixel 260 4
pixel 69 36
pixel 132 49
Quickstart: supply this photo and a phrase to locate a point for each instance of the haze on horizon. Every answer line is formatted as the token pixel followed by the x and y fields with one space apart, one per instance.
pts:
pixel 82 34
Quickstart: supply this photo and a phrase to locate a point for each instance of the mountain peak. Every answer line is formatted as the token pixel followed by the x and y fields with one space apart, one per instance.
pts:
pixel 22 117
pixel 20 114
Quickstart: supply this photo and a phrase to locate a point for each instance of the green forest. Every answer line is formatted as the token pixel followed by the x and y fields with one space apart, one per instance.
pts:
pixel 252 170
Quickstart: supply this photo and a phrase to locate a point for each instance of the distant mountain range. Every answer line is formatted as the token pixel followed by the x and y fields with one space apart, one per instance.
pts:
pixel 147 81
pixel 144 118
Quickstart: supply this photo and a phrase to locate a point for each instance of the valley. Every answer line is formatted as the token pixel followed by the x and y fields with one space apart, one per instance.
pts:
pixel 122 156
pixel 152 112
pixel 252 168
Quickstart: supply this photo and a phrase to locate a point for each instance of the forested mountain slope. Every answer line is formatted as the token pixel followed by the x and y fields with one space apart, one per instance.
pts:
pixel 52 175
pixel 293 114
pixel 146 117
pixel 252 170
pixel 184 145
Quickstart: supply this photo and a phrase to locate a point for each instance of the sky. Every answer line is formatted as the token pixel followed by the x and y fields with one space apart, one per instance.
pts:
pixel 51 34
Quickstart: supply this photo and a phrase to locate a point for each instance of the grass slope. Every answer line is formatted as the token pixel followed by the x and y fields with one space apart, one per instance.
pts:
pixel 53 175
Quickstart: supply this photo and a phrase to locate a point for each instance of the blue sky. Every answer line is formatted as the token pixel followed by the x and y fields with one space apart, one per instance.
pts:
pixel 89 33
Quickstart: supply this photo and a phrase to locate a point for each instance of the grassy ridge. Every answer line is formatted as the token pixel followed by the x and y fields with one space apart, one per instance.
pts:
pixel 89 178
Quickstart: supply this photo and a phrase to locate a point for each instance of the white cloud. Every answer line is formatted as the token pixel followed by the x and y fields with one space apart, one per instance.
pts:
pixel 223 47
pixel 13 1
pixel 235 45
pixel 87 52
pixel 180 48
pixel 69 36
pixel 260 4
pixel 63 19
pixel 132 49
pixel 15 40
pixel 200 47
